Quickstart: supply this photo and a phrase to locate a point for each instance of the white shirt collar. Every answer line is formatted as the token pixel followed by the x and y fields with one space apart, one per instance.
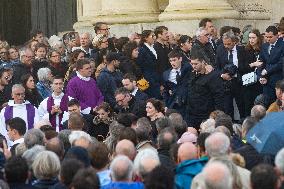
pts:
pixel 12 103
pixel 57 97
pixel 151 48
pixel 175 70
pixel 18 141
pixel 274 43
pixel 134 91
pixel 82 77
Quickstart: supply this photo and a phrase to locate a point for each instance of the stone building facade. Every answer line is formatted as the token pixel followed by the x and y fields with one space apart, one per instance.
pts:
pixel 180 16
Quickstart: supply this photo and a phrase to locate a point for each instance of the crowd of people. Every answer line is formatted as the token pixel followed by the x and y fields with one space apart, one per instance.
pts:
pixel 155 110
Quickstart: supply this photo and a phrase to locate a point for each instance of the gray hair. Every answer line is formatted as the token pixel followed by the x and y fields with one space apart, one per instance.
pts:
pixel 207 126
pixel 75 135
pixel 237 182
pixel 258 112
pixel 33 137
pixel 143 129
pixel 230 35
pixel 121 168
pixel 42 74
pixel 145 161
pixel 31 154
pixel 199 31
pixel 64 137
pixel 162 123
pixel 115 129
pixel 217 176
pixel 17 86
pixel 217 144
pixel 279 161
pixel 23 51
pixel 46 165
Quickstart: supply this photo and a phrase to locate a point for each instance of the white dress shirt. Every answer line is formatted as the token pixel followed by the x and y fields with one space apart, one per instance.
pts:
pixel 173 75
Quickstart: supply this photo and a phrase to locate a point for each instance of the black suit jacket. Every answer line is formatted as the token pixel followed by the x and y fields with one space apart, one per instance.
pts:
pixel 222 60
pixel 141 96
pixel 273 62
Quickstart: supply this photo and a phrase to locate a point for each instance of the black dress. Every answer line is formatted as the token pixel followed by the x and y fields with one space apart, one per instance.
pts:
pixel 252 91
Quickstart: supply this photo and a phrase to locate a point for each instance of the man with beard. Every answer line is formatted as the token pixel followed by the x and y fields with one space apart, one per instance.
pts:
pixel 110 78
pixel 205 90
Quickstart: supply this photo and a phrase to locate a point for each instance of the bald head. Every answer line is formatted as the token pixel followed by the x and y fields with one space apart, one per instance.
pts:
pixel 121 169
pixel 127 148
pixel 187 151
pixel 217 175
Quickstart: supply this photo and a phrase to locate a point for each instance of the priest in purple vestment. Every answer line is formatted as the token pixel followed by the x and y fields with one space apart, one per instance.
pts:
pixel 18 107
pixel 83 87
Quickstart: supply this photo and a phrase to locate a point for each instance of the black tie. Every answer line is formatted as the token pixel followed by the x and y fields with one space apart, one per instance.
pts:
pixel 177 76
pixel 271 48
pixel 231 57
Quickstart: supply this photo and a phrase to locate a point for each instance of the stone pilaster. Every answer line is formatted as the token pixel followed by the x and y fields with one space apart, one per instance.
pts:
pixel 253 9
pixel 87 10
pixel 127 11
pixel 197 9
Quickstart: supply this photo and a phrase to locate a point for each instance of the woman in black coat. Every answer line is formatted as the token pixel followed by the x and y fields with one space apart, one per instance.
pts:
pixel 128 60
pixel 147 61
pixel 31 93
pixel 250 92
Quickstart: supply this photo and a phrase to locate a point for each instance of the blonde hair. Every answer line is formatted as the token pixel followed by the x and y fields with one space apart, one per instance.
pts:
pixel 46 165
pixel 97 41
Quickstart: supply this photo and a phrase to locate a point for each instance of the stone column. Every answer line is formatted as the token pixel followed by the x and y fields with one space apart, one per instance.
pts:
pixel 163 4
pixel 87 10
pixel 197 9
pixel 128 11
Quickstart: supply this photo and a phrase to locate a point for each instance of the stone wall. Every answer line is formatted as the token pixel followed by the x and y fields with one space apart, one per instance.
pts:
pixel 180 16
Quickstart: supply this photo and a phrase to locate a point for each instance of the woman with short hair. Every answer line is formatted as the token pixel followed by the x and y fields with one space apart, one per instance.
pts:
pixel 46 167
pixel 44 80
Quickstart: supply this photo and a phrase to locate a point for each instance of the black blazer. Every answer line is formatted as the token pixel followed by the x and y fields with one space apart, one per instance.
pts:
pixel 273 62
pixel 222 59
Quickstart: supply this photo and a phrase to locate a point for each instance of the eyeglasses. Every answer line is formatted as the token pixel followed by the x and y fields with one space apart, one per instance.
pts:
pixel 20 94
pixel 104 29
pixel 121 100
pixel 29 56
pixel 4 52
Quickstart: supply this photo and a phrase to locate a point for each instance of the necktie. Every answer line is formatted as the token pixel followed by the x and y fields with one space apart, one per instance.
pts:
pixel 271 48
pixel 177 76
pixel 231 57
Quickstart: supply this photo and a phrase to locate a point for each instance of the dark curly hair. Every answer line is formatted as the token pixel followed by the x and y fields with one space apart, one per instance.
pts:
pixel 158 105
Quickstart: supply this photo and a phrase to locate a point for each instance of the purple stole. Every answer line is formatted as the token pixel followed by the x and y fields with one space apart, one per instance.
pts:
pixel 63 107
pixel 8 114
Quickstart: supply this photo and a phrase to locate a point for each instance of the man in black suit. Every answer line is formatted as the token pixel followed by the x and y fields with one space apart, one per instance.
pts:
pixel 207 24
pixel 129 82
pixel 272 55
pixel 202 44
pixel 175 81
pixel 162 49
pixel 126 103
pixel 231 63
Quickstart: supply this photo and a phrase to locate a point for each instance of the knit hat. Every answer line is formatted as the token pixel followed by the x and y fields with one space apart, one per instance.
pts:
pixel 187 137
